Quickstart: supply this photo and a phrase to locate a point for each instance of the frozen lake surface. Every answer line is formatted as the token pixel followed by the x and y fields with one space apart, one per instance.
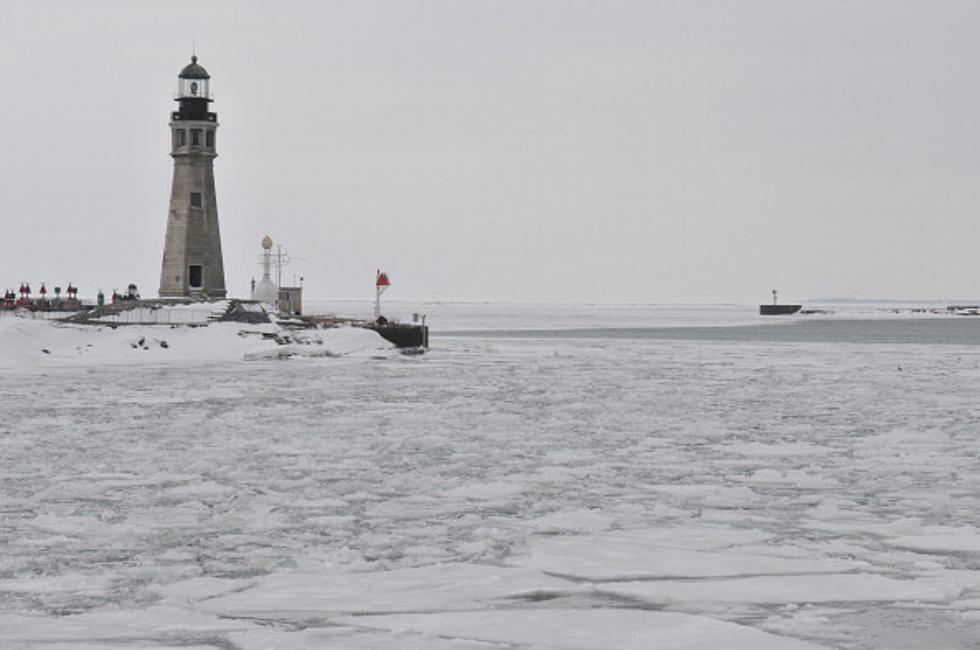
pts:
pixel 553 477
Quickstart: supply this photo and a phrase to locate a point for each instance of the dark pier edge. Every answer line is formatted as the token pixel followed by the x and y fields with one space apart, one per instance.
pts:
pixel 777 310
pixel 403 336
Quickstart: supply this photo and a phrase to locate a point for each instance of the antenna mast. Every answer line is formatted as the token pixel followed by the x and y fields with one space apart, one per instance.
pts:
pixel 282 259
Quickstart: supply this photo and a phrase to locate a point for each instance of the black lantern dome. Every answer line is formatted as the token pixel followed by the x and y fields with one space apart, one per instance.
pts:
pixel 194 71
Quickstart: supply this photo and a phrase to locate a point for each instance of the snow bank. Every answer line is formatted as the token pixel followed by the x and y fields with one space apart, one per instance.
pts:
pixel 335 342
pixel 28 344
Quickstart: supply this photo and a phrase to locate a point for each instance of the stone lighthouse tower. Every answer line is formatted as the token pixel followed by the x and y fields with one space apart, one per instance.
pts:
pixel 192 263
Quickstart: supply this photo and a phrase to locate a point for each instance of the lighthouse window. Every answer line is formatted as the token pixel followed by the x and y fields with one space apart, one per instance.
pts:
pixel 195 137
pixel 209 138
pixel 194 276
pixel 195 199
pixel 181 137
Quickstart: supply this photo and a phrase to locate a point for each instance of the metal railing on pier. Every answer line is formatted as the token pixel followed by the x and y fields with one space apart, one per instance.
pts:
pixel 160 317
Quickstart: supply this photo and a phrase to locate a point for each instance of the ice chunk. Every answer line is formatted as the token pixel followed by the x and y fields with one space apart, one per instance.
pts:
pixel 572 629
pixel 438 587
pixel 614 556
pixel 839 588
pixel 939 539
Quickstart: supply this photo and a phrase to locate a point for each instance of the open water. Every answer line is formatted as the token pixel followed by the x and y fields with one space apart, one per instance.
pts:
pixel 915 331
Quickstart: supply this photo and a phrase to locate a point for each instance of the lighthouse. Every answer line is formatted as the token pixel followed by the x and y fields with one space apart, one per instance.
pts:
pixel 192 263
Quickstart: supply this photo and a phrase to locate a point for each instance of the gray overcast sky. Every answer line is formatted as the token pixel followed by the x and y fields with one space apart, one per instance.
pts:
pixel 586 151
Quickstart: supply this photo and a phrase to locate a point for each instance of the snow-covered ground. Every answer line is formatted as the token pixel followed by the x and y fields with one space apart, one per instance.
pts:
pixel 30 345
pixel 496 492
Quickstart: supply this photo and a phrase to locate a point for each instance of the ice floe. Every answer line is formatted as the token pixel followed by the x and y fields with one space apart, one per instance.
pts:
pixel 549 495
